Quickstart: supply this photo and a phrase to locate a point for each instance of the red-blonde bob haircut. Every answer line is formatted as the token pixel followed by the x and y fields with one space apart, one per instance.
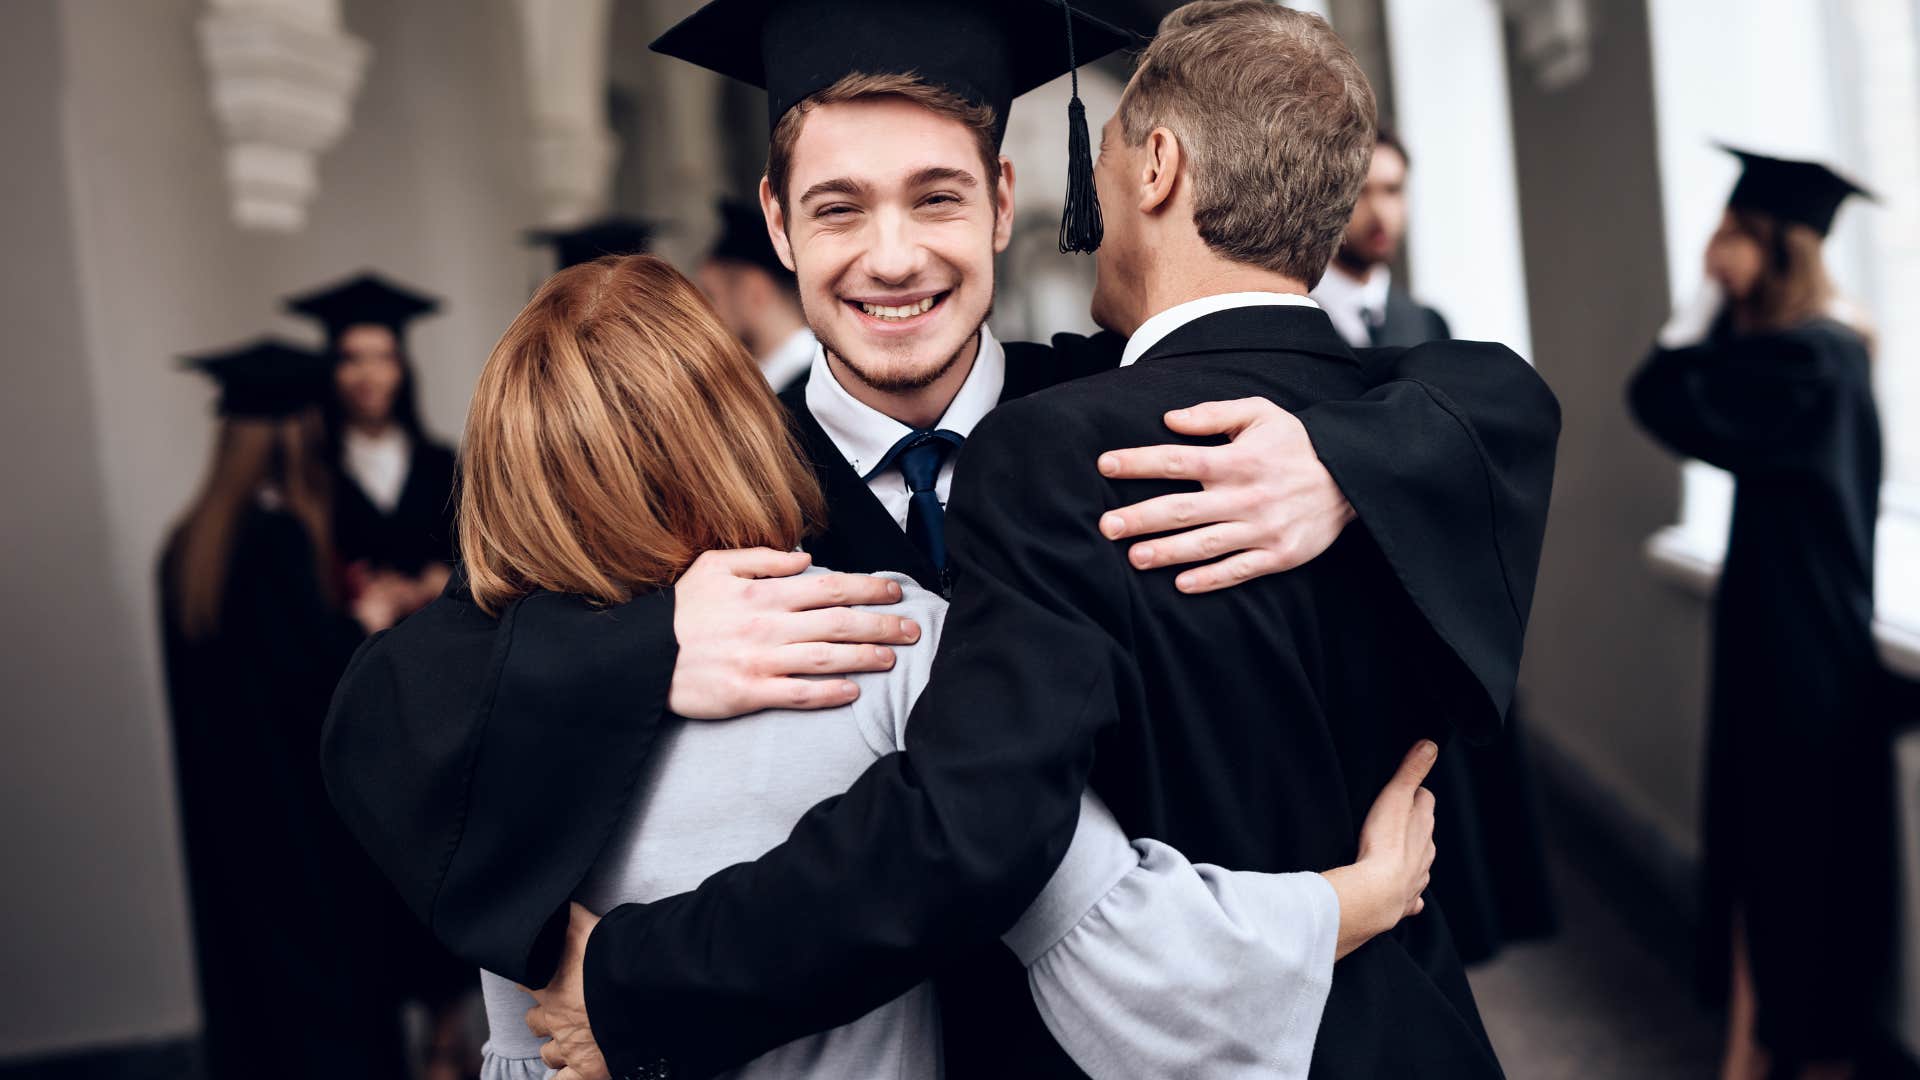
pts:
pixel 617 432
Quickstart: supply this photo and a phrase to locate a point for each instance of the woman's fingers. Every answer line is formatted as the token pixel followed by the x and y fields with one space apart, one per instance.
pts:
pixel 822 658
pixel 849 626
pixel 828 591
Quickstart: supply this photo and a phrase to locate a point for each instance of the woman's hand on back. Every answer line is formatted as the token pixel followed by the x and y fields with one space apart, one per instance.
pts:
pixel 1384 885
pixel 750 629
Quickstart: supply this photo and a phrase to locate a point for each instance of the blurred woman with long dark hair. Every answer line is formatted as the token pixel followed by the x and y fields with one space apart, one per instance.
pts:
pixel 1770 379
pixel 255 639
pixel 393 506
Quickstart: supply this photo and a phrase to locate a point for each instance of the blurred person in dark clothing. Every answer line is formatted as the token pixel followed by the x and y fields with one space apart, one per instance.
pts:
pixel 255 638
pixel 602 236
pixel 1358 291
pixel 393 513
pixel 1494 884
pixel 757 297
pixel 1767 377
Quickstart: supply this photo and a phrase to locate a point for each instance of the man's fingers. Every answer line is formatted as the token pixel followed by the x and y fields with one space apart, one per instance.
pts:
pixel 1172 462
pixel 537 1021
pixel 1220 417
pixel 551 1056
pixel 830 591
pixel 1228 572
pixel 755 562
pixel 1194 545
pixel 796 693
pixel 849 626
pixel 821 658
pixel 1183 510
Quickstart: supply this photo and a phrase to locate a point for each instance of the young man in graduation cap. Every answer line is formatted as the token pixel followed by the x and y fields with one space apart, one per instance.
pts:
pixel 756 296
pixel 892 238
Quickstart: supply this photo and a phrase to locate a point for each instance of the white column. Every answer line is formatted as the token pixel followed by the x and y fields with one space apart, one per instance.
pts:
pixel 573 148
pixel 1450 97
pixel 282 76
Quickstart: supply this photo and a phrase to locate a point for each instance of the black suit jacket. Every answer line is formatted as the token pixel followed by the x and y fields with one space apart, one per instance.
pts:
pixel 427 723
pixel 1407 321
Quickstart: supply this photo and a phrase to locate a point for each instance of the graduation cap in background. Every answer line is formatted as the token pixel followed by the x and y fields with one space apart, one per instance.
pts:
pixel 1806 192
pixel 986 51
pixel 265 379
pixel 607 236
pixel 744 239
pixel 361 300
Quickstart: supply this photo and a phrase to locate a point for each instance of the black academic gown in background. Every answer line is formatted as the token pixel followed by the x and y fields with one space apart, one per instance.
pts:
pixel 1494 883
pixel 1799 761
pixel 285 906
pixel 442 750
pixel 417 532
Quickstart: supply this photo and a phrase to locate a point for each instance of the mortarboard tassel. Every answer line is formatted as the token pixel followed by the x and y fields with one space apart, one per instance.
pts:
pixel 1080 225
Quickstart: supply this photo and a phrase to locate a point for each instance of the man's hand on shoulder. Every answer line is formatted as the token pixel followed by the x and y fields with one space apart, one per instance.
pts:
pixel 748 627
pixel 1267 504
pixel 559 1014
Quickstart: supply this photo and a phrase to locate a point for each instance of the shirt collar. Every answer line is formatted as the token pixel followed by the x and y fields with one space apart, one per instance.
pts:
pixel 864 434
pixel 1346 298
pixel 1153 330
pixel 788 359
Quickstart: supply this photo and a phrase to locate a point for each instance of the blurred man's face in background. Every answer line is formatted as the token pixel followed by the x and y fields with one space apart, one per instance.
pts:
pixel 722 284
pixel 1380 216
pixel 892 224
pixel 369 373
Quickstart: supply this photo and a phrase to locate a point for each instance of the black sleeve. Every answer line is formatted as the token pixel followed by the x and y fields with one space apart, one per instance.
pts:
pixel 483 763
pixel 1449 462
pixel 1740 404
pixel 931 851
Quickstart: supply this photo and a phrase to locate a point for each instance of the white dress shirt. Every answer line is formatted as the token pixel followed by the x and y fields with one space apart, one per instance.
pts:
pixel 1157 328
pixel 788 359
pixel 863 434
pixel 1354 305
pixel 379 464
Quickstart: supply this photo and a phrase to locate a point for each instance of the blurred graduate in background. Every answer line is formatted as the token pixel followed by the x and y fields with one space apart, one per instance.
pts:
pixel 256 635
pixel 1768 377
pixel 393 514
pixel 757 297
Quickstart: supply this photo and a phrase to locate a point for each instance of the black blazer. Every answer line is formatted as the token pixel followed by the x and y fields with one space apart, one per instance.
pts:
pixel 428 706
pixel 1407 321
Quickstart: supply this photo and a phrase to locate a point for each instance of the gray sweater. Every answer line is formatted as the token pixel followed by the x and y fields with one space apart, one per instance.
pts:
pixel 1142 964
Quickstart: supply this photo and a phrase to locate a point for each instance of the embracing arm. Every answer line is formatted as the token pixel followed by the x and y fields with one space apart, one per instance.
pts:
pixel 932 851
pixel 1145 965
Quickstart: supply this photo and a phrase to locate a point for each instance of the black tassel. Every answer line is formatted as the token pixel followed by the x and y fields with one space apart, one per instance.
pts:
pixel 1080 225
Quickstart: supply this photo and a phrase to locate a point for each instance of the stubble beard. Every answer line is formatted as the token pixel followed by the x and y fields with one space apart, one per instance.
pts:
pixel 910 381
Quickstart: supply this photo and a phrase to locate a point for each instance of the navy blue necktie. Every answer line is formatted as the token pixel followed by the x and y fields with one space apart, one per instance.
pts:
pixel 920 455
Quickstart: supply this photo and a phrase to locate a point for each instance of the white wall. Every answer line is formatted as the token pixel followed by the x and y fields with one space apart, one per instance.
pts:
pixel 1450 99
pixel 429 185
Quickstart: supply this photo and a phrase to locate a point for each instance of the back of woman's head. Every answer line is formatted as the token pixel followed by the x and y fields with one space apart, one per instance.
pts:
pixel 616 433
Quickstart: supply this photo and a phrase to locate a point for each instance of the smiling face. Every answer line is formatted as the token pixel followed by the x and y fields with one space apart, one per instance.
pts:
pixel 890 221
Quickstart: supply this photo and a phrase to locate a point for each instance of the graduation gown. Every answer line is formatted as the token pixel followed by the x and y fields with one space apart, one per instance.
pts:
pixel 1797 808
pixel 420 528
pixel 551 709
pixel 285 907
pixel 1494 882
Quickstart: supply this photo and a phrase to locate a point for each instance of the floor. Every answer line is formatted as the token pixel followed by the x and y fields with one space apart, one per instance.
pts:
pixel 1595 1002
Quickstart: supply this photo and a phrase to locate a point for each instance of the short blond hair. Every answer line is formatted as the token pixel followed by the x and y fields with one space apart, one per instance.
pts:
pixel 617 432
pixel 1277 123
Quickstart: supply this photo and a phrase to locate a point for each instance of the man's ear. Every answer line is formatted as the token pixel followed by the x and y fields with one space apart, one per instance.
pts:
pixel 1160 172
pixel 776 216
pixel 1003 206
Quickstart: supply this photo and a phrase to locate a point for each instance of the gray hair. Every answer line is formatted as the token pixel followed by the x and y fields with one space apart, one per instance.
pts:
pixel 1276 120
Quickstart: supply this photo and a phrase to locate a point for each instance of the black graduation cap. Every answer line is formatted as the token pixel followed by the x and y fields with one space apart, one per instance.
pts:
pixel 743 239
pixel 986 51
pixel 1801 191
pixel 265 379
pixel 606 236
pixel 364 299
